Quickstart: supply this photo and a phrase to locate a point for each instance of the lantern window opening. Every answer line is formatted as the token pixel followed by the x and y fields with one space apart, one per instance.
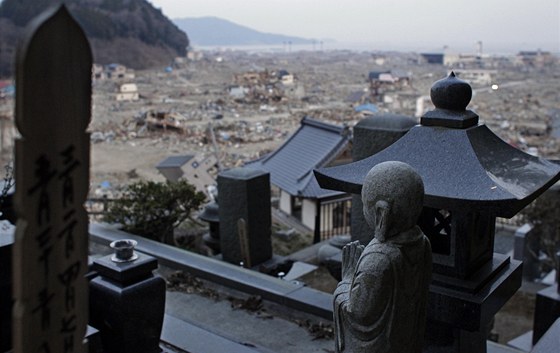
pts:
pixel 436 224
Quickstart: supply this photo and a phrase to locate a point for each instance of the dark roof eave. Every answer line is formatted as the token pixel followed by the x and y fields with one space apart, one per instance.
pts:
pixel 457 172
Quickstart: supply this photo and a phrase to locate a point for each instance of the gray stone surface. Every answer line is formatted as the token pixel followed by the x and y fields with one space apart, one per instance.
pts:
pixel 523 343
pixel 244 194
pixel 298 270
pixel 271 330
pixel 380 304
pixel 195 339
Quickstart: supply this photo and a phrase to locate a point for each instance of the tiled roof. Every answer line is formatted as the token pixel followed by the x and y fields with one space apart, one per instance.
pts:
pixel 315 144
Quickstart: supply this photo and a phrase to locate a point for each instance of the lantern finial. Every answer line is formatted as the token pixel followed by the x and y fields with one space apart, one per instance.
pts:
pixel 450 96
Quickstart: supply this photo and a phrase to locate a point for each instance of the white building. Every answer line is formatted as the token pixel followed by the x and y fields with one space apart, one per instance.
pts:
pixel 128 92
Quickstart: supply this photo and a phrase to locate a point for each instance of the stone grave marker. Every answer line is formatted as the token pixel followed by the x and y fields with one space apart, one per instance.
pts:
pixel 53 106
pixel 245 194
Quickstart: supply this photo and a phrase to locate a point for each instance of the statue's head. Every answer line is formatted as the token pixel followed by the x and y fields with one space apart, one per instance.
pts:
pixel 393 195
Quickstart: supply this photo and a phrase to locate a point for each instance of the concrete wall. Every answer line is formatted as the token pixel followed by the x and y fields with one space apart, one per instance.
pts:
pixel 308 213
pixel 285 202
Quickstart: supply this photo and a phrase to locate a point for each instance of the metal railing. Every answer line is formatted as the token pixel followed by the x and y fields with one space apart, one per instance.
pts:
pixel 333 218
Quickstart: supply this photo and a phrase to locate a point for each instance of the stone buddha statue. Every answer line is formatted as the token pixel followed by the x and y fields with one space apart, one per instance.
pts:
pixel 380 304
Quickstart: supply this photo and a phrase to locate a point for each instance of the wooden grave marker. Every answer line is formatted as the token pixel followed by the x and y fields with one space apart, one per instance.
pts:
pixel 53 110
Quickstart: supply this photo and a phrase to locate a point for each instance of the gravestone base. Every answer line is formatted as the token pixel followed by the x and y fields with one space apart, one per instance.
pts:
pixel 547 310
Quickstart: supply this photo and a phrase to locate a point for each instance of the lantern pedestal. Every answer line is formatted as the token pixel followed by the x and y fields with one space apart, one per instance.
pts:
pixel 460 312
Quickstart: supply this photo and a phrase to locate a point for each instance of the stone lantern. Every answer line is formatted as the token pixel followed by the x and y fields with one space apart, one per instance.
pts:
pixel 471 177
pixel 211 215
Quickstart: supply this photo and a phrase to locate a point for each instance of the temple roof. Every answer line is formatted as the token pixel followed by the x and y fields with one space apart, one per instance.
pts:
pixel 314 145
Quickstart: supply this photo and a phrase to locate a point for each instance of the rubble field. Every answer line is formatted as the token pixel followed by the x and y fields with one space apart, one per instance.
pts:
pixel 239 105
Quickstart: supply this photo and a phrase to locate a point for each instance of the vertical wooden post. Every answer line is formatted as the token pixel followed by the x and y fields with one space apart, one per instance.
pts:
pixel 244 243
pixel 53 110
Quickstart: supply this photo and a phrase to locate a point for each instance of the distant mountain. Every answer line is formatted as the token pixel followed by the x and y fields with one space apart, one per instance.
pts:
pixel 211 31
pixel 130 32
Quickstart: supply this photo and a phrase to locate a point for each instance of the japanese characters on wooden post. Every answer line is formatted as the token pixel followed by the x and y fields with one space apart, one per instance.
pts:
pixel 53 107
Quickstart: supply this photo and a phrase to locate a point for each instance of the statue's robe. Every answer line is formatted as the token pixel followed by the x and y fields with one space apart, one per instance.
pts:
pixel 383 309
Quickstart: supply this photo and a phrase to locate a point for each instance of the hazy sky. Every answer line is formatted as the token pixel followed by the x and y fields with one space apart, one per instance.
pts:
pixel 419 25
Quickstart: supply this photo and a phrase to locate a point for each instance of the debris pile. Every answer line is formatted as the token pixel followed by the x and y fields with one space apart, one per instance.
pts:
pixel 264 87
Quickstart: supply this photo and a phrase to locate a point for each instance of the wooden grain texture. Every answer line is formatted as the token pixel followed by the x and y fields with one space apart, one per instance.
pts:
pixel 53 110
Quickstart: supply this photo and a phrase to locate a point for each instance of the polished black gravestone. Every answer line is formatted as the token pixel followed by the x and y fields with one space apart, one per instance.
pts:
pixel 245 218
pixel 547 308
pixel 471 177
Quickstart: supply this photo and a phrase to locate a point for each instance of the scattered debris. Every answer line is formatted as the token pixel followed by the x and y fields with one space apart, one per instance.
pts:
pixel 252 304
pixel 164 120
pixel 319 330
pixel 181 281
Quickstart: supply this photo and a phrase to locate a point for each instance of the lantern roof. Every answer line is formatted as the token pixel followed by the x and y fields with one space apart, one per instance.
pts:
pixel 463 164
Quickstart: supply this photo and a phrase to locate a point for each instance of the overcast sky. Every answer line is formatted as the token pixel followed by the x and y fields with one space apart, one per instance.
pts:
pixel 502 25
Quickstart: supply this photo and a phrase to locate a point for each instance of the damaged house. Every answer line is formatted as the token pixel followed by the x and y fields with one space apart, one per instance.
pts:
pixel 383 81
pixel 264 87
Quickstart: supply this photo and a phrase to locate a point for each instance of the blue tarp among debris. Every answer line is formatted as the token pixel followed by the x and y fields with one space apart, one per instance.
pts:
pixel 366 108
